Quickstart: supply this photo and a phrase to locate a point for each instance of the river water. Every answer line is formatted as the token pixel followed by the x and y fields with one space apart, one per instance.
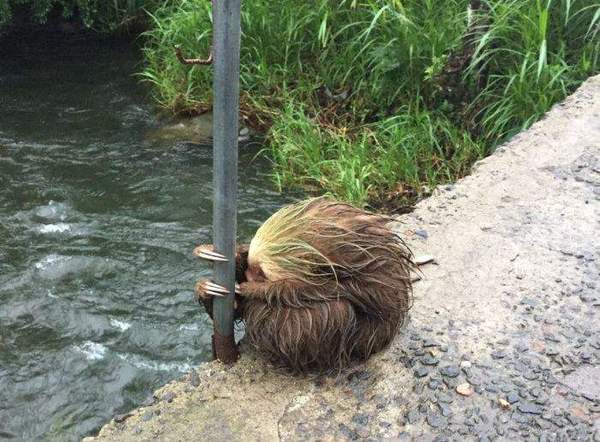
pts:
pixel 98 219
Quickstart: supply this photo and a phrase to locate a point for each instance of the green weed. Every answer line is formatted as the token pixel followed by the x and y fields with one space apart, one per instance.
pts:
pixel 350 92
pixel 535 53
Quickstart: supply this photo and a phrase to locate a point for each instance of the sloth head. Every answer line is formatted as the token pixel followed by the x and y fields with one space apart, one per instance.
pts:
pixel 288 244
pixel 320 238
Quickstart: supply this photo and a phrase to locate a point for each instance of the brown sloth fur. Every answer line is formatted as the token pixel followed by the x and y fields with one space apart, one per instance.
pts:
pixel 323 283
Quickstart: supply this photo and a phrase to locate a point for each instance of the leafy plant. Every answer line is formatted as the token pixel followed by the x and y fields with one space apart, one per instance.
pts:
pixel 350 94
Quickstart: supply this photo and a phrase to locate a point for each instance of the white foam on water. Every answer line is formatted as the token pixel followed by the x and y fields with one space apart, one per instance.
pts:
pixel 121 325
pixel 49 260
pixel 54 211
pixel 139 362
pixel 56 267
pixel 189 327
pixel 54 228
pixel 93 351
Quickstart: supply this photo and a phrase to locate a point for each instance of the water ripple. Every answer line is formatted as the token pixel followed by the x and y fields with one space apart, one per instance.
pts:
pixel 98 218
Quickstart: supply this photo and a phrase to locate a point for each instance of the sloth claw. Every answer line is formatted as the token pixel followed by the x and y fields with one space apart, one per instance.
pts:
pixel 219 288
pixel 208 288
pixel 216 288
pixel 207 252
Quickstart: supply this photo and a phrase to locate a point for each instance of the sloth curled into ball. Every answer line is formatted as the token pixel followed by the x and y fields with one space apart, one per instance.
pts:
pixel 322 283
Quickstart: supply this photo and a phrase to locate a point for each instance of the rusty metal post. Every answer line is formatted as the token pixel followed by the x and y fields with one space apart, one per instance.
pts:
pixel 226 73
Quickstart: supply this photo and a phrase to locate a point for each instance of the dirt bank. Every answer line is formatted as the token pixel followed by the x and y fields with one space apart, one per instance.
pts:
pixel 503 340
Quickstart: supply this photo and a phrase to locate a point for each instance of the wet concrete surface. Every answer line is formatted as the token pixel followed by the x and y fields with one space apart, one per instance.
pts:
pixel 503 341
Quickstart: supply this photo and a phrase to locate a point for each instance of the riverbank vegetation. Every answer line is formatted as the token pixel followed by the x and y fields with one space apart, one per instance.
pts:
pixel 373 101
pixel 379 100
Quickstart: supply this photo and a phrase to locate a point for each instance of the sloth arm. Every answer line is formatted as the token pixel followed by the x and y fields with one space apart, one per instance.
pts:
pixel 370 298
pixel 290 293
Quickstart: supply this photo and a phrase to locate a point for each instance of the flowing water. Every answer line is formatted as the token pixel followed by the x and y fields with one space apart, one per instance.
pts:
pixel 97 223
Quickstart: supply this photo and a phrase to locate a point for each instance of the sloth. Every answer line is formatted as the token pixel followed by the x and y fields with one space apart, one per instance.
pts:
pixel 321 284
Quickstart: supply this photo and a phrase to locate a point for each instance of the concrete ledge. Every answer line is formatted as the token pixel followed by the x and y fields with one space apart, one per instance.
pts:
pixel 503 340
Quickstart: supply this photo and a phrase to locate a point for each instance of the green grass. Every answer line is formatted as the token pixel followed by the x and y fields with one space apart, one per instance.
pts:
pixel 351 93
pixel 408 150
pixel 536 53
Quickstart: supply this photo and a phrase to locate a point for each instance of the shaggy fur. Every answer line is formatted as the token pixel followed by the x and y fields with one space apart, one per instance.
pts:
pixel 323 283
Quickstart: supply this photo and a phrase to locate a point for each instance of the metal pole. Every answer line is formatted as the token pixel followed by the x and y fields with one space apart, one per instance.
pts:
pixel 226 63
